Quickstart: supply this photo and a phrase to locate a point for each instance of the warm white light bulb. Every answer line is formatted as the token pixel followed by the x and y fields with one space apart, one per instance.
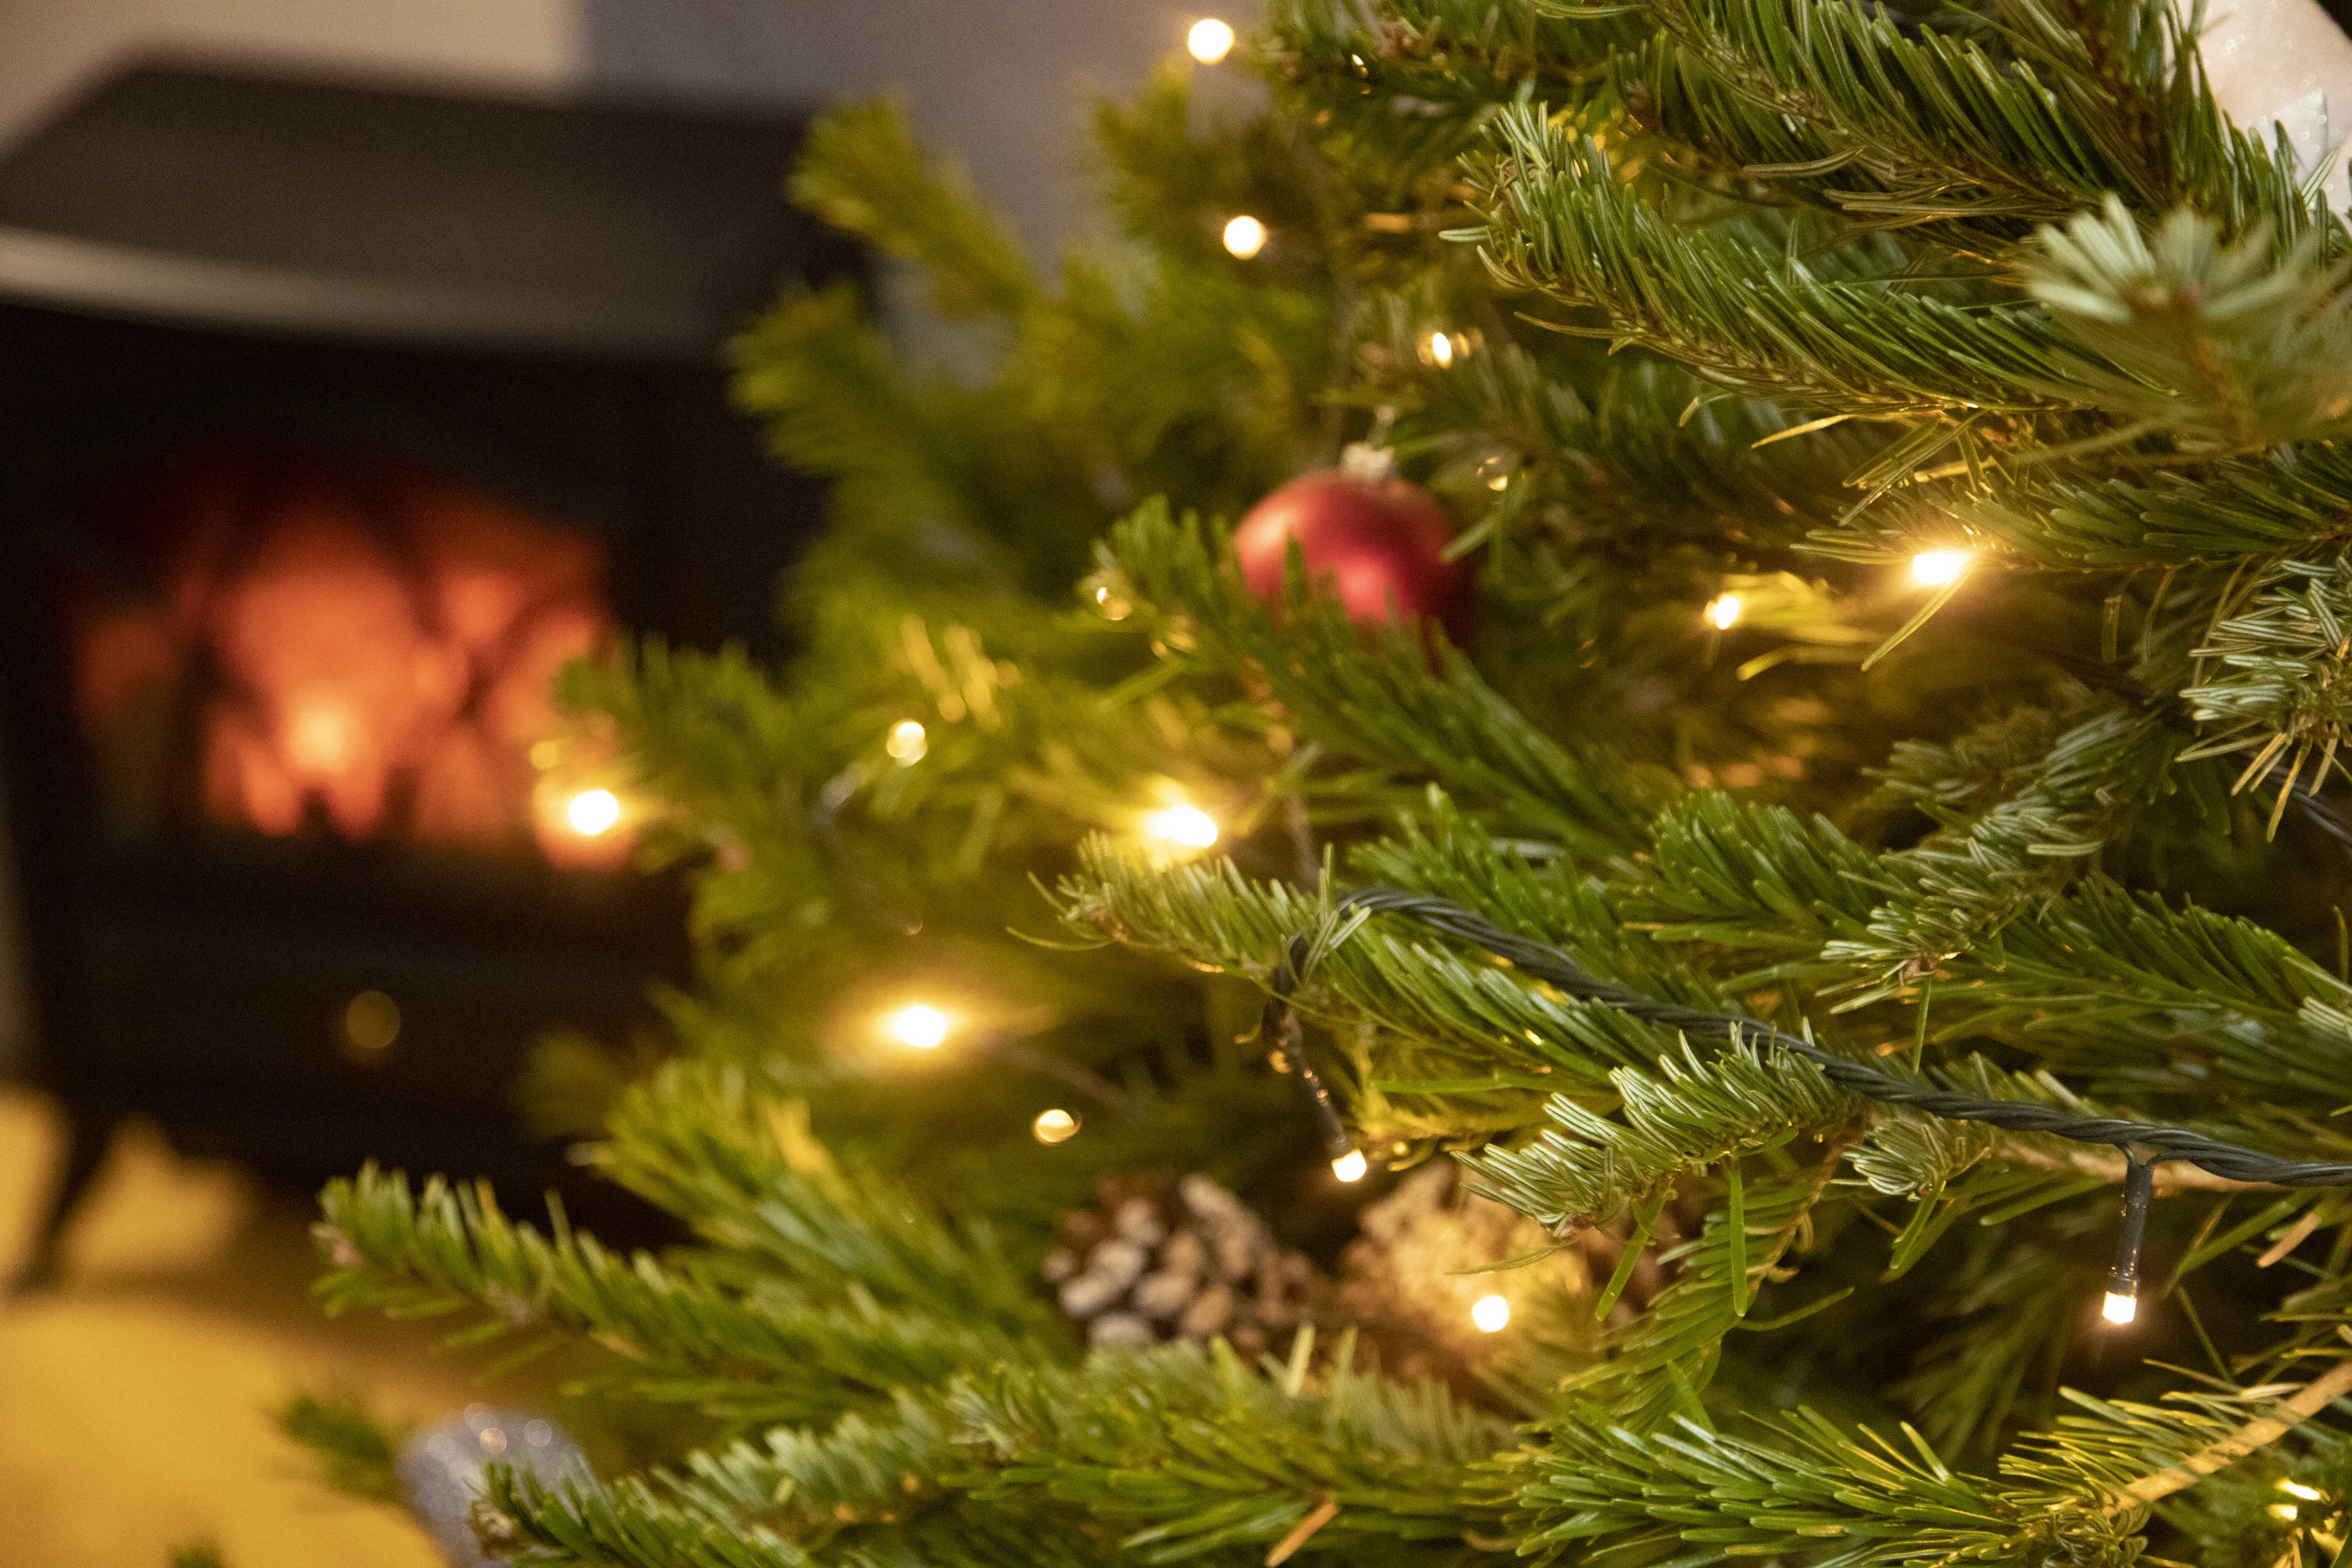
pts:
pixel 1441 348
pixel 2119 1307
pixel 1056 1126
pixel 917 1025
pixel 1938 567
pixel 1210 40
pixel 907 744
pixel 1490 1314
pixel 592 812
pixel 2296 1489
pixel 1244 236
pixel 1185 824
pixel 1722 611
pixel 2283 1511
pixel 1351 1166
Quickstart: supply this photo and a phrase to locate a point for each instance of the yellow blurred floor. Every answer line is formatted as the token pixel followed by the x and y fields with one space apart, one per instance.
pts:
pixel 133 1398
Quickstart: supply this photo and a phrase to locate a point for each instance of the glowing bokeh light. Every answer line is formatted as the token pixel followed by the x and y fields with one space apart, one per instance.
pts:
pixel 592 812
pixel 1186 824
pixel 917 1025
pixel 1210 40
pixel 1351 1166
pixel 371 1024
pixel 1056 1126
pixel 1490 1314
pixel 1722 611
pixel 1244 236
pixel 1938 567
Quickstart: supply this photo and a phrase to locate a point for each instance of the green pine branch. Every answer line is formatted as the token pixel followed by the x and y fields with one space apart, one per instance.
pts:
pixel 1963 885
pixel 2230 347
pixel 1801 1489
pixel 1889 126
pixel 1375 699
pixel 1690 1114
pixel 1175 1455
pixel 1443 1016
pixel 2279 689
pixel 2293 500
pixel 862 172
pixel 1752 304
pixel 701 1141
pixel 1661 1360
pixel 354 1452
pixel 1444 60
pixel 1756 878
pixel 763 1353
pixel 1194 1452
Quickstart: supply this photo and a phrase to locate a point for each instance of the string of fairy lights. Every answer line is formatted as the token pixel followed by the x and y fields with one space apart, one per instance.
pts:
pixel 2143 1145
pixel 1181 828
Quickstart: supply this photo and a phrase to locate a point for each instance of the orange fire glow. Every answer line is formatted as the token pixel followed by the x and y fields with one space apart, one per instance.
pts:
pixel 361 647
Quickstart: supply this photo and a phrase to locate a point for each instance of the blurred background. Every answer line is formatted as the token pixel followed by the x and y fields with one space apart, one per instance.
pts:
pixel 996 80
pixel 365 364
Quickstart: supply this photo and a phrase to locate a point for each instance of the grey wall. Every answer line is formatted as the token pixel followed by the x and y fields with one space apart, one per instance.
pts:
pixel 1000 83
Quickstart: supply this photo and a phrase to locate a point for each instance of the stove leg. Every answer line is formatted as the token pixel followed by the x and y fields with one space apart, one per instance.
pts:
pixel 90 1133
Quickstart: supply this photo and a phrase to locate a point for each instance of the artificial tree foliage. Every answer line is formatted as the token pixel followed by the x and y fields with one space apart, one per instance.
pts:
pixel 1897 452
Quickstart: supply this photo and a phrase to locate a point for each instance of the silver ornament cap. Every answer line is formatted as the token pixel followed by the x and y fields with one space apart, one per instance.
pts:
pixel 441 1467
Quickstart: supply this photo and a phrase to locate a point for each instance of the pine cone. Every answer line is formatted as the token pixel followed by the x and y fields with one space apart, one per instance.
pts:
pixel 1411 1280
pixel 1159 1261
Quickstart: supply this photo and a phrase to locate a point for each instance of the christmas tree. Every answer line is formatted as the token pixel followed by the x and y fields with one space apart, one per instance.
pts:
pixel 1779 993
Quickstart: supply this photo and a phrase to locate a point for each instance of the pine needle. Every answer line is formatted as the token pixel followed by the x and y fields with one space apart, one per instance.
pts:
pixel 1300 1533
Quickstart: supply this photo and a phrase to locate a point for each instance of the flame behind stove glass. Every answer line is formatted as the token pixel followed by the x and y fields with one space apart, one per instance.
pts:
pixel 295 642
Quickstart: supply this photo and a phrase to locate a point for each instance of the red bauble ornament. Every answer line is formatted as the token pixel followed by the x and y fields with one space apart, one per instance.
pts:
pixel 1377 541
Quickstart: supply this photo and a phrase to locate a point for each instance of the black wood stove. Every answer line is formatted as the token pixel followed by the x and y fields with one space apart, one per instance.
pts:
pixel 334 419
